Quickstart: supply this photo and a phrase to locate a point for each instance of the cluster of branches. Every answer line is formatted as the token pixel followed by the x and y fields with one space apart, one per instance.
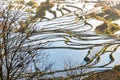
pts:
pixel 19 47
pixel 19 54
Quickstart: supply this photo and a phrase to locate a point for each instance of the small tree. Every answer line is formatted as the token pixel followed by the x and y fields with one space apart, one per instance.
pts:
pixel 75 74
pixel 20 55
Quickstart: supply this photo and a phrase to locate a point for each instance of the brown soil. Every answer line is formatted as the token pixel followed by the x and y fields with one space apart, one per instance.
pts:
pixel 113 74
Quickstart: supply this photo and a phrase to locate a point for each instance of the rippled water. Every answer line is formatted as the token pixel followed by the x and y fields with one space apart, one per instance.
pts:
pixel 71 39
pixel 79 43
